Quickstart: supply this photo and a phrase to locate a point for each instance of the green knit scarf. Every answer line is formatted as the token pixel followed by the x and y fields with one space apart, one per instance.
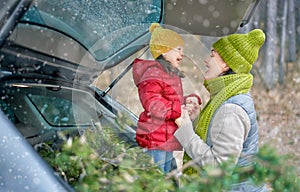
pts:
pixel 220 89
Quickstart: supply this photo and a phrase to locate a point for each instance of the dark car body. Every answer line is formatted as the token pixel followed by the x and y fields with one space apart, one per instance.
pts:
pixel 51 52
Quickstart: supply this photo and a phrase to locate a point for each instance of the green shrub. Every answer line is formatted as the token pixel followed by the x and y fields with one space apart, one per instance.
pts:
pixel 99 161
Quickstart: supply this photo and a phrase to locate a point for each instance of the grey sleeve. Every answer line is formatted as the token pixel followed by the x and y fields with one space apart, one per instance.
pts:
pixel 229 129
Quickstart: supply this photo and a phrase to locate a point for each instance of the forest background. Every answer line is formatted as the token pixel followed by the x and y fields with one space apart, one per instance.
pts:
pixel 276 88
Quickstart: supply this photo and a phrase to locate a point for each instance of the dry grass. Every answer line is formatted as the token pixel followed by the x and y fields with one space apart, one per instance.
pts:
pixel 278 112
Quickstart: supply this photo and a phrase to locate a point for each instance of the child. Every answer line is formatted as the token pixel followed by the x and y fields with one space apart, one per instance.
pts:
pixel 193 104
pixel 160 92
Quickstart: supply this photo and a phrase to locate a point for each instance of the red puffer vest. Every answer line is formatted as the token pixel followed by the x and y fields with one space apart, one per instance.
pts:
pixel 161 96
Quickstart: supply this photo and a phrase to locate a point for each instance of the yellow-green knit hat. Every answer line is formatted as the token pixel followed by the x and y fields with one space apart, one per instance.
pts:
pixel 240 51
pixel 162 40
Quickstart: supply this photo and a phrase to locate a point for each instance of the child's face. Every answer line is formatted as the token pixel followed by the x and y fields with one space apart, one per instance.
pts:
pixel 174 56
pixel 193 107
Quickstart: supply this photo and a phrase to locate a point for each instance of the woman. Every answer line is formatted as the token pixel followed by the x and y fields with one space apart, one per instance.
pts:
pixel 226 128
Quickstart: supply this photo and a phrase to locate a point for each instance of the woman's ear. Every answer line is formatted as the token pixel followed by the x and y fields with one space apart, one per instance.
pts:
pixel 226 68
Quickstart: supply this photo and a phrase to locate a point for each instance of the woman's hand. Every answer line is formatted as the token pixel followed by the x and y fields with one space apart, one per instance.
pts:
pixel 184 118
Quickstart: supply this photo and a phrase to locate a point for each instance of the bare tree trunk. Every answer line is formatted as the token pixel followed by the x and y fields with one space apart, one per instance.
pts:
pixel 270 56
pixel 297 6
pixel 282 43
pixel 291 31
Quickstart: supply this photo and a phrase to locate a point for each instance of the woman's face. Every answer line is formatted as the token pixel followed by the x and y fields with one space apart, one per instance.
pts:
pixel 174 56
pixel 215 65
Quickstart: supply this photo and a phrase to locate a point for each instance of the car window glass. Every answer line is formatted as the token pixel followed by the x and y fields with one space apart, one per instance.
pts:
pixel 120 23
pixel 57 111
pixel 58 106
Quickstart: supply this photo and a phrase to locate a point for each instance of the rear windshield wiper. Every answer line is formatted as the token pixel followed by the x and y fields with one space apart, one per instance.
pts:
pixel 115 81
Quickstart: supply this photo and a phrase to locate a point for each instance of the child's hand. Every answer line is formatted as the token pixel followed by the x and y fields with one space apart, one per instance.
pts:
pixel 193 107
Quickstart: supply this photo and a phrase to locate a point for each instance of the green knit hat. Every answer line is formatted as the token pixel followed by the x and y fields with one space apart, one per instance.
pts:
pixel 240 51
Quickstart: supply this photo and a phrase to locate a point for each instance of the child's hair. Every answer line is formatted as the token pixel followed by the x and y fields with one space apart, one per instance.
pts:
pixel 168 68
pixel 193 95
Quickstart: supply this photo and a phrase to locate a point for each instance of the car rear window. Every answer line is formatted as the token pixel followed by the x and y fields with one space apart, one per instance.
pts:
pixel 102 27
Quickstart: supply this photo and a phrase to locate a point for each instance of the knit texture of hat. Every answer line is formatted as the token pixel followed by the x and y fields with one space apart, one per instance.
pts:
pixel 240 51
pixel 163 40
